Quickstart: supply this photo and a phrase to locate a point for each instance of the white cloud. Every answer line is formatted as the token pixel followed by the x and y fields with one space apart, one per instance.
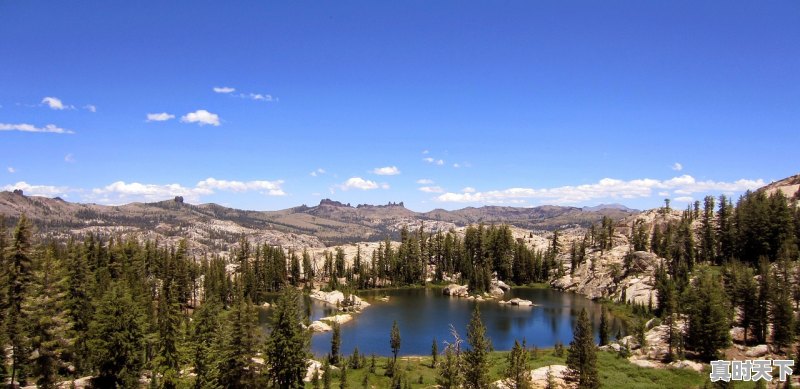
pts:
pixel 121 192
pixel 663 193
pixel 317 172
pixel 433 161
pixel 684 199
pixel 24 127
pixel 468 189
pixel 90 108
pixel 677 167
pixel 271 188
pixel 159 117
pixel 224 89
pixel 56 103
pixel 256 96
pixel 386 171
pixel 424 181
pixel 201 117
pixel 606 188
pixel 69 158
pixel 39 190
pixel 359 183
pixel 424 152
pixel 11 170
pixel 431 189
pixel 456 165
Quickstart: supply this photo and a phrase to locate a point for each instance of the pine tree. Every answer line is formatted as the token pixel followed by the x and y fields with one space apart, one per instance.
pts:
pixel 581 356
pixel 116 338
pixel 168 359
pixel 44 307
pixel 783 323
pixel 394 343
pixel 476 358
pixel 237 347
pixel 434 353
pixel 18 260
pixel 518 367
pixel 326 374
pixel 288 342
pixel 708 325
pixel 336 342
pixel 78 305
pixel 450 368
pixel 204 331
pixel 4 288
pixel 604 330
pixel 343 377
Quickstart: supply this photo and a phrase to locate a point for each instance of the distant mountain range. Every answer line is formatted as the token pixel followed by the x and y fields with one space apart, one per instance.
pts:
pixel 216 227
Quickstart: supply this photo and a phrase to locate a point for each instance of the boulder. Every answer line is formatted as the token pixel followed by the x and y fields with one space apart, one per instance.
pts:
pixel 496 291
pixel 539 376
pixel 318 326
pixel 456 290
pixel 502 285
pixel 340 319
pixel 520 302
pixel 687 364
pixel 757 351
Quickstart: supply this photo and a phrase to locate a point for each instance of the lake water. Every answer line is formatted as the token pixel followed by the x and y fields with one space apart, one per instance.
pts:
pixel 423 314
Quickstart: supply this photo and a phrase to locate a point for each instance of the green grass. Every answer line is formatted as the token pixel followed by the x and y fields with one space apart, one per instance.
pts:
pixel 615 372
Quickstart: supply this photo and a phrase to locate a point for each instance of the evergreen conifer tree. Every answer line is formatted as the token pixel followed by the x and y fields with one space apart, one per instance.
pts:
pixel 582 356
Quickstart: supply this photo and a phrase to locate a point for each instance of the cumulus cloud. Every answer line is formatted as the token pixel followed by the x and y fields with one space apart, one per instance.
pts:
pixel 121 192
pixel 607 188
pixel 386 171
pixel 424 181
pixel 271 188
pixel 431 189
pixel 468 189
pixel 39 190
pixel 317 172
pixel 360 183
pixel 434 161
pixel 56 103
pixel 201 117
pixel 677 166
pixel 224 89
pixel 159 117
pixel 25 127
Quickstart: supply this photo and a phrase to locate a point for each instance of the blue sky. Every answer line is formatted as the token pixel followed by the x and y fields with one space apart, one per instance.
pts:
pixel 267 105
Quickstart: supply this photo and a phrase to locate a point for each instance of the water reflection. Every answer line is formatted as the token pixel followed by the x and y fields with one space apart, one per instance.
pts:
pixel 423 314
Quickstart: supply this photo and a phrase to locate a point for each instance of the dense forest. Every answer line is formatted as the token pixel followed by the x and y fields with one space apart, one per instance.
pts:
pixel 119 309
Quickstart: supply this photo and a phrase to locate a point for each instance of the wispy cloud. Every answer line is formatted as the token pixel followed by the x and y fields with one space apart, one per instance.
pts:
pixel 224 89
pixel 424 181
pixel 386 171
pixel 257 97
pixel 431 189
pixel 318 172
pixel 360 183
pixel 69 158
pixel 11 169
pixel 25 127
pixel 468 189
pixel 56 103
pixel 434 161
pixel 90 107
pixel 607 188
pixel 677 166
pixel 159 117
pixel 201 117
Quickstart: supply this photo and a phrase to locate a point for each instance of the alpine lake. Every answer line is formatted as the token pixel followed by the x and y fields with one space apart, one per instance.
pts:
pixel 424 314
